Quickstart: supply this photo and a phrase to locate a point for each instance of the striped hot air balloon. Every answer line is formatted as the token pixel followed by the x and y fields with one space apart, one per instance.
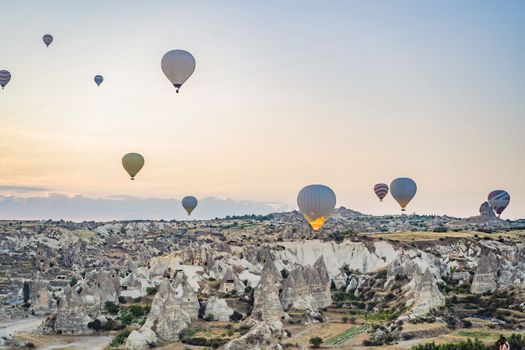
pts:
pixel 5 76
pixel 499 200
pixel 99 79
pixel 316 203
pixel 48 39
pixel 381 191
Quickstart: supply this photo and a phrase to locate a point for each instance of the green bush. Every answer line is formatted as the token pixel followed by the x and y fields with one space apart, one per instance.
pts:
pixel 111 307
pixel 126 318
pixel 120 338
pixel 136 310
pixel 73 281
pixel 151 290
pixel 316 342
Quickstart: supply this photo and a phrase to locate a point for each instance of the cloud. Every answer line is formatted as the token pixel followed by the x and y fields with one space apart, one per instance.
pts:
pixel 79 208
pixel 9 188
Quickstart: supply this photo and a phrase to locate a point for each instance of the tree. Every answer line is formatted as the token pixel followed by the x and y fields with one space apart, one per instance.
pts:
pixel 73 281
pixel 26 292
pixel 316 342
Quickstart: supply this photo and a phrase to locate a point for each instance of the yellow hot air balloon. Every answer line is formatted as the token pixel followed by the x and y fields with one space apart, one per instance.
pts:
pixel 132 163
pixel 316 203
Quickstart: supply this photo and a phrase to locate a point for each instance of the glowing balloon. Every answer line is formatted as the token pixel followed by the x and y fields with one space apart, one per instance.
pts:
pixel 403 190
pixel 48 39
pixel 99 79
pixel 178 66
pixel 381 191
pixel 316 203
pixel 5 76
pixel 499 200
pixel 132 163
pixel 189 203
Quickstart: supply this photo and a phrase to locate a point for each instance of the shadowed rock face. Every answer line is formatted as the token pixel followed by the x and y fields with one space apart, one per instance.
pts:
pixel 486 275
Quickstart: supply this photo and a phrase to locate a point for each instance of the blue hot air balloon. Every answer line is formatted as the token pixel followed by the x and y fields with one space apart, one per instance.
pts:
pixel 5 76
pixel 48 39
pixel 99 79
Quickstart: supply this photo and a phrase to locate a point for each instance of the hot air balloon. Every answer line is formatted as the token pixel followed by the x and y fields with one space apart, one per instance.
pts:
pixel 403 190
pixel 499 200
pixel 48 39
pixel 132 163
pixel 178 66
pixel 99 79
pixel 5 76
pixel 316 203
pixel 381 191
pixel 189 203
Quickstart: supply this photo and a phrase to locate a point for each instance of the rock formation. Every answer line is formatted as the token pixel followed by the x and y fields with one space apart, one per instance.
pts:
pixel 267 306
pixel 426 295
pixel 71 317
pixel 307 288
pixel 486 275
pixel 218 308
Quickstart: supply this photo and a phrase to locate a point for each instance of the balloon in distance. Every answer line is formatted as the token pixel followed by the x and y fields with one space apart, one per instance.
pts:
pixel 189 203
pixel 178 66
pixel 5 77
pixel 48 39
pixel 403 190
pixel 98 79
pixel 499 200
pixel 132 163
pixel 381 190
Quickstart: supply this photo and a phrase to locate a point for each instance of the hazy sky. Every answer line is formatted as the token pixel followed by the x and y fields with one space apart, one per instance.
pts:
pixel 286 93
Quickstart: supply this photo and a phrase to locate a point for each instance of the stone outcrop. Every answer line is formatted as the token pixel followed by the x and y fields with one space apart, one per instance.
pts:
pixel 486 275
pixel 39 295
pixel 267 306
pixel 218 308
pixel 141 340
pixel 426 295
pixel 98 287
pixel 186 295
pixel 72 317
pixel 172 309
pixel 231 283
pixel 486 211
pixel 307 288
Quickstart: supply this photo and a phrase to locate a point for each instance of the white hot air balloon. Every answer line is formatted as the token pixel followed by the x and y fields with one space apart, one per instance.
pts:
pixel 403 190
pixel 178 66
pixel 189 203
pixel 316 203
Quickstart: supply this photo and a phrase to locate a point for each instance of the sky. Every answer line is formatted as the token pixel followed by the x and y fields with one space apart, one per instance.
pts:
pixel 285 94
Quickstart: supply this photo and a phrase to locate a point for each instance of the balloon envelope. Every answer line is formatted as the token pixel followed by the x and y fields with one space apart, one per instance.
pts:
pixel 403 190
pixel 189 203
pixel 99 79
pixel 499 200
pixel 178 66
pixel 5 76
pixel 316 203
pixel 132 163
pixel 381 190
pixel 48 39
